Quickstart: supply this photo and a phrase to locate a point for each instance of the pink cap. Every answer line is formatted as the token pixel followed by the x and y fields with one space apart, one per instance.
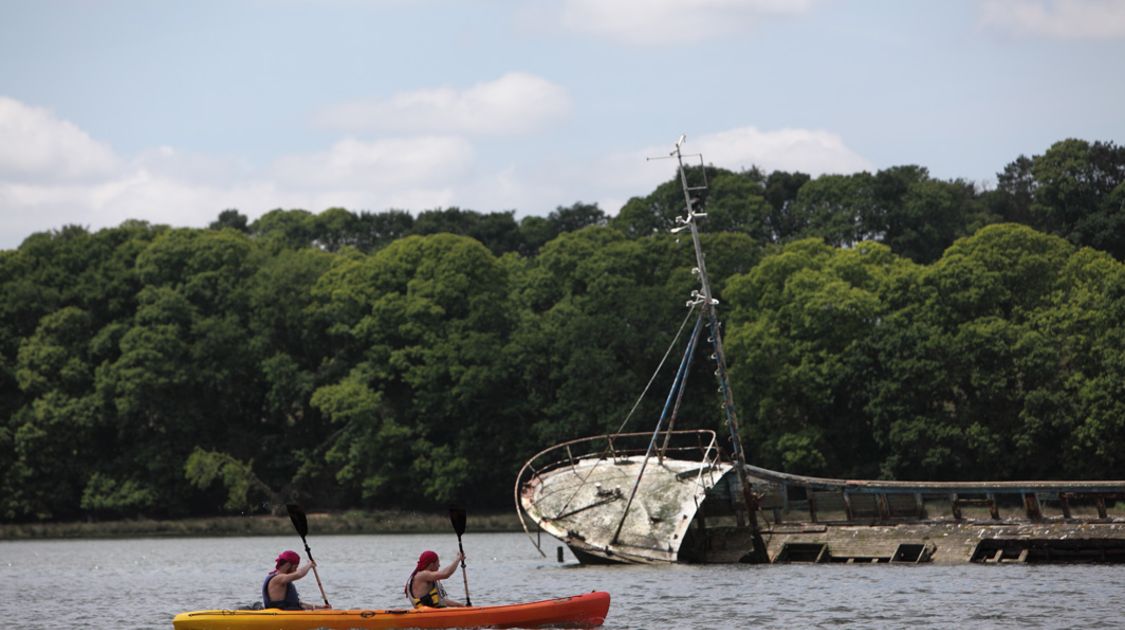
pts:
pixel 288 556
pixel 425 560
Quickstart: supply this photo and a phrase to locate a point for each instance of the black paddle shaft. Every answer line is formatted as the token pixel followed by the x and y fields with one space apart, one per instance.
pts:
pixel 457 517
pixel 301 524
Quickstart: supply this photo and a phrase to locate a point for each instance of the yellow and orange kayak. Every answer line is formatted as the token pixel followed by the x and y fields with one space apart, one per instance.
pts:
pixel 580 611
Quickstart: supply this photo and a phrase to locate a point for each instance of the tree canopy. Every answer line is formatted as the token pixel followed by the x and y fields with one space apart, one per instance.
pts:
pixel 883 324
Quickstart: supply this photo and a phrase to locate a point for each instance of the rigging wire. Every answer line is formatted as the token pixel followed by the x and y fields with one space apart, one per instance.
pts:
pixel 658 368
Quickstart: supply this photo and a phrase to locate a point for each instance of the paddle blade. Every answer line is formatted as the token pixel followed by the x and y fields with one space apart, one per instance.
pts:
pixel 457 517
pixel 300 521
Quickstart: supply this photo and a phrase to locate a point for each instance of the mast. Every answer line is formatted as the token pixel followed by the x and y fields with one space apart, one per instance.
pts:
pixel 704 297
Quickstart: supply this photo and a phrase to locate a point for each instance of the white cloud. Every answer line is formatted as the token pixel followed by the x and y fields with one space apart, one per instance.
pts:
pixel 811 151
pixel 165 185
pixel 396 163
pixel 612 179
pixel 667 22
pixel 36 144
pixel 515 103
pixel 1063 19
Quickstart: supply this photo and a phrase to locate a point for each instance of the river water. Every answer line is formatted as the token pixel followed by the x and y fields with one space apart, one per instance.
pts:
pixel 142 583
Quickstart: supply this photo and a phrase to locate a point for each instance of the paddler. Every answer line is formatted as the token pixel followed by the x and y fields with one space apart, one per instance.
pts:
pixel 424 586
pixel 278 590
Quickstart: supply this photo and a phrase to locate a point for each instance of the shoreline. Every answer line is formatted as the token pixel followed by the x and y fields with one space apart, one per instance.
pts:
pixel 322 523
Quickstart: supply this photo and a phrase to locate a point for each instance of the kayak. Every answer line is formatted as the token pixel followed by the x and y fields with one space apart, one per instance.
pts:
pixel 580 611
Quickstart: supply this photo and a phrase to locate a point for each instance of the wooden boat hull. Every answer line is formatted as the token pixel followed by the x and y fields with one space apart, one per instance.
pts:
pixel 580 611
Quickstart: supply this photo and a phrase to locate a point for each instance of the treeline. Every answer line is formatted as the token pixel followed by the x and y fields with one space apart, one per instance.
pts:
pixel 885 324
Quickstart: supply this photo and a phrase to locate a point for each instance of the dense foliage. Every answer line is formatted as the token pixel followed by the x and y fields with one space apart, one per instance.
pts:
pixel 887 325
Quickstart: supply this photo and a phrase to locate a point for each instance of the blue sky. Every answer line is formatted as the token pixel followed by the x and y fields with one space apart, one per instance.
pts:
pixel 174 111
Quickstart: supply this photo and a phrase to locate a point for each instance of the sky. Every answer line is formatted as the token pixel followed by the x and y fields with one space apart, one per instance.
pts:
pixel 171 112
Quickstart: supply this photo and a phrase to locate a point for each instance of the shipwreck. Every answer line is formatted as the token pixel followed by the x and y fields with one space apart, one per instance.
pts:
pixel 679 496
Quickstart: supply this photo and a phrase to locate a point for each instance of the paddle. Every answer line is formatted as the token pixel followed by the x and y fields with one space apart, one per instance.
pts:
pixel 301 524
pixel 457 516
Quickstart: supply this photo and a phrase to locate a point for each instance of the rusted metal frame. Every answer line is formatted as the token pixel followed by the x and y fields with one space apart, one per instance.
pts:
pixel 608 438
pixel 709 466
pixel 989 502
pixel 1109 489
pixel 612 448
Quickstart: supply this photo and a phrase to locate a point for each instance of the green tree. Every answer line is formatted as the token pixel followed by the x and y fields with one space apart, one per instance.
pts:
pixel 231 219
pixel 426 321
pixel 799 322
pixel 287 228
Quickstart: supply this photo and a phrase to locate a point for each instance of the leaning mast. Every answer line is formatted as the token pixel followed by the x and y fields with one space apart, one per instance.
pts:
pixel 706 300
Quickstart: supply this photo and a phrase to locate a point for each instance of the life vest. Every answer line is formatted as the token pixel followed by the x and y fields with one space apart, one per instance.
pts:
pixel 291 602
pixel 435 598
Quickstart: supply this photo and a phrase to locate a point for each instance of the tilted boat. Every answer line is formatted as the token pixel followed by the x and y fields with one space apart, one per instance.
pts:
pixel 580 611
pixel 678 496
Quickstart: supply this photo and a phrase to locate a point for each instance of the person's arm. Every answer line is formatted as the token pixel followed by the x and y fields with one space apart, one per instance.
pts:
pixel 440 574
pixel 285 578
pixel 300 573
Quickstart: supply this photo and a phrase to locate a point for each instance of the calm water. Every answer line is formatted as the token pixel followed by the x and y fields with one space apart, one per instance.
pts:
pixel 142 583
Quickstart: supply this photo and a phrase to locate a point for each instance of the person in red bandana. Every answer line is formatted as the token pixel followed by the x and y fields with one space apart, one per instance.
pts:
pixel 424 586
pixel 278 590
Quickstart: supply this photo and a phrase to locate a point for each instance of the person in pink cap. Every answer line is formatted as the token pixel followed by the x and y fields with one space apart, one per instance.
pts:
pixel 424 586
pixel 278 590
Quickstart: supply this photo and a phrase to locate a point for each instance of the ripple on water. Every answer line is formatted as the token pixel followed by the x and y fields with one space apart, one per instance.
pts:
pixel 143 583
